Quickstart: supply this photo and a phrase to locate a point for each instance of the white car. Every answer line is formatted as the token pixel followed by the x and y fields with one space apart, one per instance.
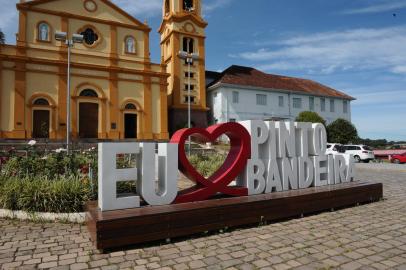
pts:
pixel 360 152
pixel 334 149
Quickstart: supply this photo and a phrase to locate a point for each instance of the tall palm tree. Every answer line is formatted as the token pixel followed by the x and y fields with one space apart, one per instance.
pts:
pixel 2 37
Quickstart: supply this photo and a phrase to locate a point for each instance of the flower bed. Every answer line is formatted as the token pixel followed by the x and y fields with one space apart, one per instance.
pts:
pixel 54 182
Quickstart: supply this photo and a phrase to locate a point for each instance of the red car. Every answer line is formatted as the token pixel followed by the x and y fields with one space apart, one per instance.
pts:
pixel 398 159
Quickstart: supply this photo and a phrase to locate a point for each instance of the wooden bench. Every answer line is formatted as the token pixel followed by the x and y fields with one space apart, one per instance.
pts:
pixel 121 228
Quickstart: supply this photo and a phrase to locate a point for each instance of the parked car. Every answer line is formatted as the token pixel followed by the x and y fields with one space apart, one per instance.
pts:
pixel 334 148
pixel 360 152
pixel 398 159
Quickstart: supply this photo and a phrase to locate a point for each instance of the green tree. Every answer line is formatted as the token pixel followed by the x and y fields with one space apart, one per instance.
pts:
pixel 2 37
pixel 342 131
pixel 376 144
pixel 311 117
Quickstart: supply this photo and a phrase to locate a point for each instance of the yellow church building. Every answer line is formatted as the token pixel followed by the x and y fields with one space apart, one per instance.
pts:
pixel 116 92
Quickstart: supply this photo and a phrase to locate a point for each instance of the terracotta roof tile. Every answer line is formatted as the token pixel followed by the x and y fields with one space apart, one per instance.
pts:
pixel 247 76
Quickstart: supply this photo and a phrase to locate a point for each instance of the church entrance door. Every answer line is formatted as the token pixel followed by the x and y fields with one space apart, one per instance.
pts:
pixel 130 123
pixel 88 120
pixel 40 124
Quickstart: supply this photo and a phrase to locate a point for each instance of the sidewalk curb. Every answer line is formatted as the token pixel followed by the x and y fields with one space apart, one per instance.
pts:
pixel 44 217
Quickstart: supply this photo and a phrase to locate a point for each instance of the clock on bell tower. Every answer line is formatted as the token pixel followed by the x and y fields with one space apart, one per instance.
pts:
pixel 183 30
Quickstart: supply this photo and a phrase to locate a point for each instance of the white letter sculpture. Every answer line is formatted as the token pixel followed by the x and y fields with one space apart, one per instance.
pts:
pixel 167 173
pixel 144 174
pixel 109 175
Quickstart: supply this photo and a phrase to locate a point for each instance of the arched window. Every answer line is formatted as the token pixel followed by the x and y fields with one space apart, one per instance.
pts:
pixel 43 31
pixel 90 36
pixel 41 102
pixel 130 106
pixel 188 5
pixel 188 45
pixel 88 93
pixel 130 45
pixel 167 7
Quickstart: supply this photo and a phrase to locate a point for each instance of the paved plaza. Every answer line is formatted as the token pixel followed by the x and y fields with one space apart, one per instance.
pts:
pixel 366 237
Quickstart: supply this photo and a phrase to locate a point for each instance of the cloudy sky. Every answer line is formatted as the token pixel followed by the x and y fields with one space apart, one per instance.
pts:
pixel 356 46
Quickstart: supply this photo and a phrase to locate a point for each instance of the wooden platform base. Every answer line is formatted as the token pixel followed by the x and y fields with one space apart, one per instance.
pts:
pixel 115 229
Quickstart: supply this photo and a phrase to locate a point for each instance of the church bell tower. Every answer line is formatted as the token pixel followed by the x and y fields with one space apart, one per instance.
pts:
pixel 183 30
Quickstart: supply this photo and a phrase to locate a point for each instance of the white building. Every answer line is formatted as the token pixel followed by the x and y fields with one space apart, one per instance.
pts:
pixel 244 93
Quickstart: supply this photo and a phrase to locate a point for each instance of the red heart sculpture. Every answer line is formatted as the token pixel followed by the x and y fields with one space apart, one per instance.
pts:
pixel 240 152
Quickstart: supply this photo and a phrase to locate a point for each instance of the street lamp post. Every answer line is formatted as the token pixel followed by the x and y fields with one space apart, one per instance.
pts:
pixel 189 57
pixel 76 38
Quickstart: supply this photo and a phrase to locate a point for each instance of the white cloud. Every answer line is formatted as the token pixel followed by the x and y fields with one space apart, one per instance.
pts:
pixel 146 8
pixel 328 52
pixel 379 98
pixel 154 7
pixel 378 8
pixel 210 5
pixel 399 70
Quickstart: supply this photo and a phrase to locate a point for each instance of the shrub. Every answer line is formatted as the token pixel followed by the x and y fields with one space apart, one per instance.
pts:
pixel 49 166
pixel 48 182
pixel 40 194
pixel 342 131
pixel 312 117
pixel 207 165
pixel 61 183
